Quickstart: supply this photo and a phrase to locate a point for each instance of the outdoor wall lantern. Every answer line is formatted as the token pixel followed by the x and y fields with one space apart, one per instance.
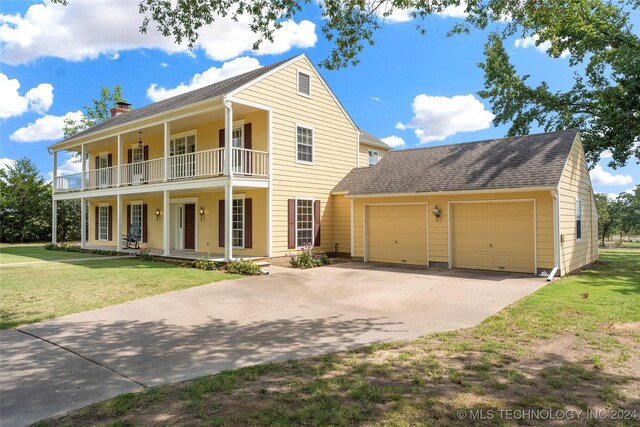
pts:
pixel 436 212
pixel 157 214
pixel 140 143
pixel 201 212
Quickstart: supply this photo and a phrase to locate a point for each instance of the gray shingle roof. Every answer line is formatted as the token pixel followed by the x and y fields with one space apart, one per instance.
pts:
pixel 367 138
pixel 220 88
pixel 354 179
pixel 518 162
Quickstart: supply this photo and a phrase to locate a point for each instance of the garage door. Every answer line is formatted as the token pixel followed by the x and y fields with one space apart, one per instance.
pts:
pixel 397 234
pixel 493 236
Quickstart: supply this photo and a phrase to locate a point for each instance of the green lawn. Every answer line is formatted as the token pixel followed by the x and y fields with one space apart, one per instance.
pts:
pixel 12 253
pixel 31 293
pixel 572 345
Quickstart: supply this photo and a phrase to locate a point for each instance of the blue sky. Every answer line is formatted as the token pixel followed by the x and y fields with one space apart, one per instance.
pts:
pixel 409 89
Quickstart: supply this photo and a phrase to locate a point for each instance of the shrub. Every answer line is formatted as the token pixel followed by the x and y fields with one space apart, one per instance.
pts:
pixel 145 255
pixel 307 259
pixel 65 247
pixel 206 264
pixel 242 266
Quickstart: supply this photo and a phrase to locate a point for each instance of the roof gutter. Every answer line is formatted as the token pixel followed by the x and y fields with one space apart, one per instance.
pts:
pixel 448 193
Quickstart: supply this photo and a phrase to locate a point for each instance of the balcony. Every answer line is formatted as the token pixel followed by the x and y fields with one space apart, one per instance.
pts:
pixel 190 166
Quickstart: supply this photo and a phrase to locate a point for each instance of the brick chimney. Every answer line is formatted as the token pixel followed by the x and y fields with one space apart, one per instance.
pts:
pixel 121 107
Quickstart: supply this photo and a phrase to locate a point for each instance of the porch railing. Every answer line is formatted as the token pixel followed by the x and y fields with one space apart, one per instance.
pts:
pixel 142 172
pixel 250 162
pixel 101 178
pixel 201 164
pixel 195 165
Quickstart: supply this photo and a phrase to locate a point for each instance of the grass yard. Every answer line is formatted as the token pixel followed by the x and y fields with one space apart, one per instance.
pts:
pixel 13 253
pixel 572 345
pixel 31 293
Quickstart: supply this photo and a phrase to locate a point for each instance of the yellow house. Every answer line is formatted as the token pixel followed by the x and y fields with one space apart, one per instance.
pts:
pixel 522 204
pixel 266 162
pixel 241 168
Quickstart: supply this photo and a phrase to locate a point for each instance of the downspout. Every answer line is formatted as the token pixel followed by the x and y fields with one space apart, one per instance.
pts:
pixel 556 234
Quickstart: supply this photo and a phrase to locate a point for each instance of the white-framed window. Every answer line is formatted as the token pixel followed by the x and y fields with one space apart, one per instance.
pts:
pixel 304 84
pixel 237 216
pixel 237 137
pixel 373 157
pixel 181 144
pixel 103 222
pixel 578 220
pixel 104 173
pixel 136 215
pixel 304 144
pixel 304 222
pixel 137 154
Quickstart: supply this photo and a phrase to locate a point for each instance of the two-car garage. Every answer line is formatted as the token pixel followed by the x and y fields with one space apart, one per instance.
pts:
pixel 485 235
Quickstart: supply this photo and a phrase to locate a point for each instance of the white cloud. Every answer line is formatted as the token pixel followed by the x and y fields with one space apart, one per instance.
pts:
pixel 437 117
pixel 210 76
pixel 532 41
pixel 47 128
pixel 393 141
pixel 404 15
pixel 375 99
pixel 5 162
pixel 606 154
pixel 37 99
pixel 164 64
pixel 459 11
pixel 71 165
pixel 87 29
pixel 600 176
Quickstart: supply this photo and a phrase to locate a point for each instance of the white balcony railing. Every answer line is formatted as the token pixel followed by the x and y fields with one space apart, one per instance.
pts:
pixel 101 178
pixel 250 162
pixel 201 164
pixel 142 172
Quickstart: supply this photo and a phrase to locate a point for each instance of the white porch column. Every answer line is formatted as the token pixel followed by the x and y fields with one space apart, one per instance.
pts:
pixel 119 219
pixel 119 174
pixel 166 236
pixel 167 149
pixel 83 164
pixel 228 222
pixel 54 221
pixel 83 220
pixel 228 205
pixel 55 171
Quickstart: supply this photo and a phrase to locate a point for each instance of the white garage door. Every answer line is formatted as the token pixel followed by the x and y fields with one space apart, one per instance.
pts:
pixel 397 234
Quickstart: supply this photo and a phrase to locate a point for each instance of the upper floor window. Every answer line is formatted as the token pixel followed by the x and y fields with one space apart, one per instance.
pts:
pixel 304 144
pixel 578 219
pixel 137 154
pixel 304 84
pixel 237 137
pixel 183 145
pixel 373 158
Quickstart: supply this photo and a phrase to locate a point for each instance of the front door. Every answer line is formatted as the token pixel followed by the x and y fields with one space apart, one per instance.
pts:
pixel 190 226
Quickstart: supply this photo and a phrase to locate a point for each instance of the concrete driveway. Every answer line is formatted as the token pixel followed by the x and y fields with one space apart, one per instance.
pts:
pixel 56 366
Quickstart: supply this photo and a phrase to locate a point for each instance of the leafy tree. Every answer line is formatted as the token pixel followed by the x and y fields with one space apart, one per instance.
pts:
pixel 99 111
pixel 69 214
pixel 629 212
pixel 25 203
pixel 604 101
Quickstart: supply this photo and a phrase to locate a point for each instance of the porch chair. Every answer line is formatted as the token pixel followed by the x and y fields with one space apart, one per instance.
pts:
pixel 132 240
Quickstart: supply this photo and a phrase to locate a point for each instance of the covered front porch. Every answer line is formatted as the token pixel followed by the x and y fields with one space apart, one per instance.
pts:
pixel 211 222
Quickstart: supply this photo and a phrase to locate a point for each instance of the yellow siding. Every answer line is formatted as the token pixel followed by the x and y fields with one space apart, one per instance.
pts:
pixel 576 184
pixel 438 237
pixel 340 208
pixel 335 146
pixel 364 153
